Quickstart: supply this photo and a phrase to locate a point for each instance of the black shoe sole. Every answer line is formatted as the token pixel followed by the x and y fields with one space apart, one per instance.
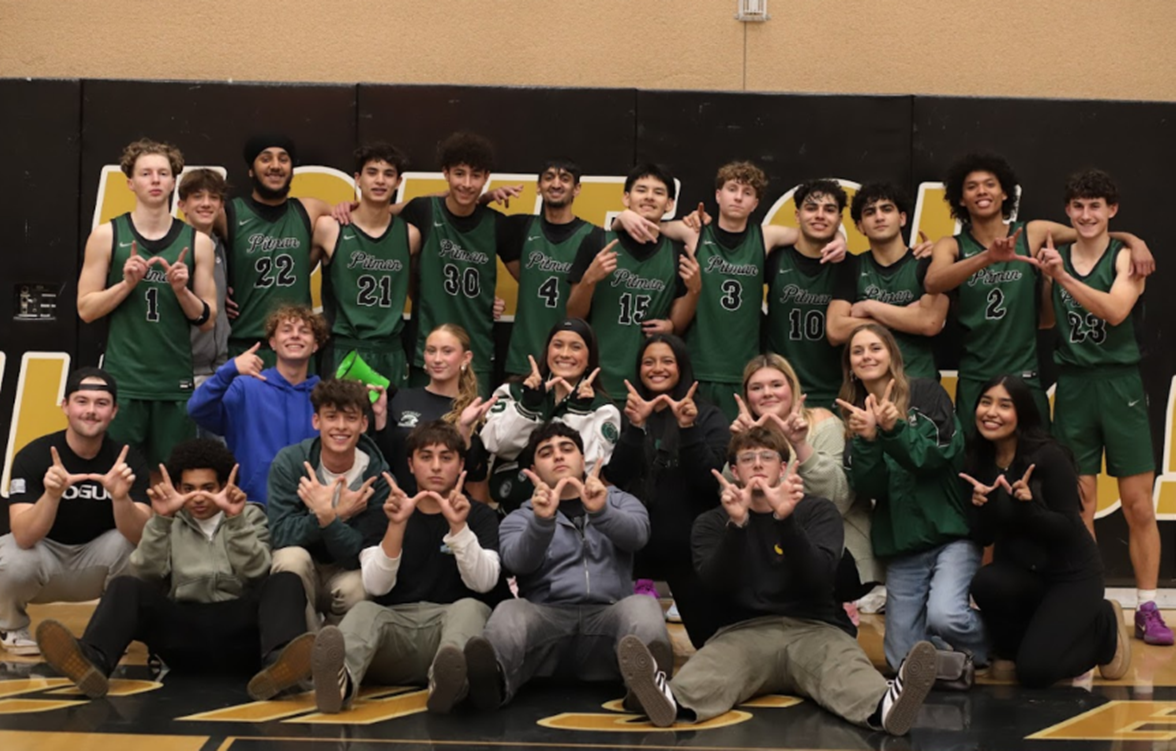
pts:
pixel 918 676
pixel 64 654
pixel 290 669
pixel 482 673
pixel 639 670
pixel 449 680
pixel 327 660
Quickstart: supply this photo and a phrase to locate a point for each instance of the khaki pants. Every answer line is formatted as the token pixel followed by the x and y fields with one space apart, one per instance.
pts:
pixel 330 589
pixel 780 655
pixel 396 645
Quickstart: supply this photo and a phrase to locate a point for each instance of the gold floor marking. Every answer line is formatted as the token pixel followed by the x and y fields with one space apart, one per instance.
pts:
pixel 633 723
pixel 231 742
pixel 370 711
pixel 60 687
pixel 1117 721
pixel 19 740
pixel 277 709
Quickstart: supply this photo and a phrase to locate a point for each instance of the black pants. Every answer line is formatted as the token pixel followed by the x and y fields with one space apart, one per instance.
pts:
pixel 1053 630
pixel 217 637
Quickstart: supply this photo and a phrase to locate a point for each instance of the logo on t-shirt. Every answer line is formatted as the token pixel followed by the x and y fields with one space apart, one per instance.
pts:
pixel 86 491
pixel 445 550
pixel 17 486
pixel 409 419
pixel 609 431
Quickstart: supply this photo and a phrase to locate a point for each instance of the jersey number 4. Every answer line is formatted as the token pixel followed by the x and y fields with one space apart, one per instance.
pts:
pixel 468 282
pixel 282 265
pixel 549 292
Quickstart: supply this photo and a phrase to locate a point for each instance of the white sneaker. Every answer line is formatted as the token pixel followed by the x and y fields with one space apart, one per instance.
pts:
pixel 649 686
pixel 672 614
pixel 19 642
pixel 873 602
pixel 909 688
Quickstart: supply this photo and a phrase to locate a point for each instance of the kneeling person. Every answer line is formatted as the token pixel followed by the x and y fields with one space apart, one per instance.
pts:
pixel 201 597
pixel 572 548
pixel 431 578
pixel 325 496
pixel 775 551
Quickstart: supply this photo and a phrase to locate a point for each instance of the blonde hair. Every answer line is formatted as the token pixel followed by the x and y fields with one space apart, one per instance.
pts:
pixel 745 173
pixel 854 391
pixel 467 382
pixel 773 361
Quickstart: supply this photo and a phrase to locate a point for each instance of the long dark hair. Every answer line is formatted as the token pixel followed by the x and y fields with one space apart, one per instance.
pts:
pixel 681 355
pixel 1032 433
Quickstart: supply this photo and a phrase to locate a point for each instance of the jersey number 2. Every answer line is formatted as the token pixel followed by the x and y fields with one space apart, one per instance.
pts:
pixel 283 264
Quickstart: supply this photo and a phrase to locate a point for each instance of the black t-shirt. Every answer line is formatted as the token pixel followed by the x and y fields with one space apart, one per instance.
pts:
pixel 521 225
pixel 772 567
pixel 407 409
pixel 419 213
pixel 85 511
pixel 428 569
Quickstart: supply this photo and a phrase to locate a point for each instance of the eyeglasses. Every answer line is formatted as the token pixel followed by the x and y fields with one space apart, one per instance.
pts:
pixel 749 457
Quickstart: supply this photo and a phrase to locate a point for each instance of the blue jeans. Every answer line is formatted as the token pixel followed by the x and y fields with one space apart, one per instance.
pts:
pixel 927 596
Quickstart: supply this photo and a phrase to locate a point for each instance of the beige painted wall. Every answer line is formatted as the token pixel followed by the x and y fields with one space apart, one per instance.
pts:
pixel 1114 49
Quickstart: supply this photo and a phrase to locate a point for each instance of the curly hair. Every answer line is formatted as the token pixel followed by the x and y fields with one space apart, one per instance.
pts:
pixel 302 313
pixel 380 151
pixel 993 164
pixel 145 146
pixel 1092 183
pixel 871 193
pixel 469 149
pixel 745 173
pixel 822 187
pixel 200 453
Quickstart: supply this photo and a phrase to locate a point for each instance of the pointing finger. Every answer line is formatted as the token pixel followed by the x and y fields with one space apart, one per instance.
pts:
pixel 1028 473
pixel 690 393
pixel 534 365
pixel 534 478
pixel 183 254
pixel 122 455
pixel 233 474
pixel 889 391
pixel 922 236
pixel 588 381
pixel 57 457
pixel 723 482
pixel 632 390
pixel 974 482
pixel 310 472
pixel 851 409
pixel 596 470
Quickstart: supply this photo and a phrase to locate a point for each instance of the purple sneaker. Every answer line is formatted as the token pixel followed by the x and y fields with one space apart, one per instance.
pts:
pixel 645 587
pixel 1150 626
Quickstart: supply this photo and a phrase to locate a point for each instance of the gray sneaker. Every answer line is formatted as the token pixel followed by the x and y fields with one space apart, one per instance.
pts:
pixel 908 690
pixel 65 654
pixel 648 685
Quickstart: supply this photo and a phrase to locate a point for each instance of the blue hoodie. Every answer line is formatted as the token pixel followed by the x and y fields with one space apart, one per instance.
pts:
pixel 257 418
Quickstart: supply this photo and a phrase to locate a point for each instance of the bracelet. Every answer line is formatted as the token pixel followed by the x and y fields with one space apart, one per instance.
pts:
pixel 203 317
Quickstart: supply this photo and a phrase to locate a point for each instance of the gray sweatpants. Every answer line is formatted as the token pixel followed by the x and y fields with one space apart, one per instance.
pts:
pixel 578 641
pixel 51 571
pixel 396 645
pixel 780 655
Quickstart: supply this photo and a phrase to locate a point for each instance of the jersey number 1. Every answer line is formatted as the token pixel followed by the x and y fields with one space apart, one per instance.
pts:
pixel 152 296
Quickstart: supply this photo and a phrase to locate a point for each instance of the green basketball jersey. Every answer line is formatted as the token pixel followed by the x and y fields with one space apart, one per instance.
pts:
pixel 1084 339
pixel 149 345
pixel 799 291
pixel 636 291
pixel 898 284
pixel 543 291
pixel 725 332
pixel 269 260
pixel 458 274
pixel 366 283
pixel 998 313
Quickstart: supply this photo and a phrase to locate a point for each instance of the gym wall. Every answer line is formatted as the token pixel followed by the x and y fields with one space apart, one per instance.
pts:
pixel 1048 48
pixel 62 133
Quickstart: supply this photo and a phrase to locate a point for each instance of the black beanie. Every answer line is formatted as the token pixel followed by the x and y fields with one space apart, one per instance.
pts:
pixel 259 143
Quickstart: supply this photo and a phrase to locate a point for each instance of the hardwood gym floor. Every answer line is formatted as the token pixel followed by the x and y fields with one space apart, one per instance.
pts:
pixel 39 711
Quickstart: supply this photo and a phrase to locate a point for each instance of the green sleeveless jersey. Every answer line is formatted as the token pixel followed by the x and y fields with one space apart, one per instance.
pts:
pixel 636 291
pixel 366 283
pixel 543 291
pixel 899 284
pixel 1084 339
pixel 799 291
pixel 269 261
pixel 149 345
pixel 725 332
pixel 458 274
pixel 998 313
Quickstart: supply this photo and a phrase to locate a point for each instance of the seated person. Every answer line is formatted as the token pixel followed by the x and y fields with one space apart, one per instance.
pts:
pixel 433 577
pixel 774 552
pixel 201 598
pixel 325 499
pixel 77 505
pixel 571 547
pixel 262 414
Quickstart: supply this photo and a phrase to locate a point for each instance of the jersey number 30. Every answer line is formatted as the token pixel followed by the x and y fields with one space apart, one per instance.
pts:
pixel 467 283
